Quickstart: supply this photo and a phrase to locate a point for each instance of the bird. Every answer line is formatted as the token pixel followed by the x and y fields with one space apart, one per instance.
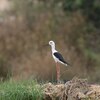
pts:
pixel 58 58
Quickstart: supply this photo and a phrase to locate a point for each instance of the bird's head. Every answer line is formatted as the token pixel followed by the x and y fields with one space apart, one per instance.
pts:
pixel 51 43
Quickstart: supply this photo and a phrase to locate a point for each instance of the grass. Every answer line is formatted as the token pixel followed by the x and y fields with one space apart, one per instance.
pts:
pixel 22 90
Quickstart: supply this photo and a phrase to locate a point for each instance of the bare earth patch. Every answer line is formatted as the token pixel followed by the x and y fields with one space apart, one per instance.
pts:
pixel 76 89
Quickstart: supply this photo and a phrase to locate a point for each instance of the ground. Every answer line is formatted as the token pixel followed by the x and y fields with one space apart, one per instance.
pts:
pixel 76 89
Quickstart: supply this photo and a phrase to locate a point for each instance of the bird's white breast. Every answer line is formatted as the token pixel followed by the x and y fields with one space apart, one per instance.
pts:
pixel 56 59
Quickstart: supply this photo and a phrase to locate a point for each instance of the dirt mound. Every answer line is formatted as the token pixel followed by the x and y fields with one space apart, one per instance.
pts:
pixel 76 89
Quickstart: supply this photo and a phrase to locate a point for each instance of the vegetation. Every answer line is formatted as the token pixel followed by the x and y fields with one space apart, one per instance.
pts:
pixel 72 24
pixel 22 90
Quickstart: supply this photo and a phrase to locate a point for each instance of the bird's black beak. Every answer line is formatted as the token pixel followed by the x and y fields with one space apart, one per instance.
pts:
pixel 45 45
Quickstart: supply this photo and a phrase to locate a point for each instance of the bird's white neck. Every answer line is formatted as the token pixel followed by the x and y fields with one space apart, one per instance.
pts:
pixel 53 48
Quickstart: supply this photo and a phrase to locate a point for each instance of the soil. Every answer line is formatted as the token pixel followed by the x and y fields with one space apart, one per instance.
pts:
pixel 75 89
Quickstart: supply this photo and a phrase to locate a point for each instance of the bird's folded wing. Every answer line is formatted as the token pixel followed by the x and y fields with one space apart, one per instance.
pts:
pixel 60 57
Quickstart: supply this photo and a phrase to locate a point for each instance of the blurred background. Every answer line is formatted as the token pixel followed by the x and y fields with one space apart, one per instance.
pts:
pixel 27 25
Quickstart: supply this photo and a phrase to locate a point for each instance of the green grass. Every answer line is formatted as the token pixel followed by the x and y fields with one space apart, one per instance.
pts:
pixel 23 90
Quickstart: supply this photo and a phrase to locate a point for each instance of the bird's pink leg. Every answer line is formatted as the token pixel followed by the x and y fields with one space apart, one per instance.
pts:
pixel 58 72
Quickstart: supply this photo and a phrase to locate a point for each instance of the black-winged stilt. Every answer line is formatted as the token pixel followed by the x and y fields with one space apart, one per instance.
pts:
pixel 58 59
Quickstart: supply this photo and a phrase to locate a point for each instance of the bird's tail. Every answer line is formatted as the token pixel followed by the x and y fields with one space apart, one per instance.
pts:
pixel 66 64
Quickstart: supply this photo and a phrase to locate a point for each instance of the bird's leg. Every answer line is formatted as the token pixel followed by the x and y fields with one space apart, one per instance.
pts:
pixel 58 72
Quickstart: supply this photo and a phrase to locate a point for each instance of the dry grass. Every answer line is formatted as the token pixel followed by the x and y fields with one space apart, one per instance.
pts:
pixel 75 89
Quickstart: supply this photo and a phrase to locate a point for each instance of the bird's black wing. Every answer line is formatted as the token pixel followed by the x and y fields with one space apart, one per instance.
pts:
pixel 59 56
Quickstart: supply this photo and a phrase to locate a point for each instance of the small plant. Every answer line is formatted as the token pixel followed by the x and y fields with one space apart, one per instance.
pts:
pixel 25 90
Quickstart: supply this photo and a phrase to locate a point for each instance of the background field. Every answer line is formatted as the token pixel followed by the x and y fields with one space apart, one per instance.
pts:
pixel 25 26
